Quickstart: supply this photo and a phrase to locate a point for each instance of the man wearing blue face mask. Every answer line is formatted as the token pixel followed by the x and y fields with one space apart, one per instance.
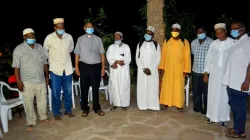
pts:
pixel 30 66
pixel 199 49
pixel 148 55
pixel 89 51
pixel 119 58
pixel 58 46
pixel 237 79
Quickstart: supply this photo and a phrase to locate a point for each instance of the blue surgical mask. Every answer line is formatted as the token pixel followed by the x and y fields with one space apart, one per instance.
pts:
pixel 147 37
pixel 234 33
pixel 201 36
pixel 89 30
pixel 118 42
pixel 31 41
pixel 60 32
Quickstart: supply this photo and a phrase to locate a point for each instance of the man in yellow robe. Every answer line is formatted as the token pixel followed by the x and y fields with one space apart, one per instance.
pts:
pixel 174 66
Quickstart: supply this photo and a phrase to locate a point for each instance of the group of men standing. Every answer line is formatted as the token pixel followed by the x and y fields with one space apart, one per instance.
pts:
pixel 221 72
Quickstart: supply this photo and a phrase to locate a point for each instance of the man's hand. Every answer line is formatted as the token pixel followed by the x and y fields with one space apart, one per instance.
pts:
pixel 77 71
pixel 114 66
pixel 245 86
pixel 161 72
pixel 20 86
pixel 184 74
pixel 47 80
pixel 103 71
pixel 147 71
pixel 121 63
pixel 205 78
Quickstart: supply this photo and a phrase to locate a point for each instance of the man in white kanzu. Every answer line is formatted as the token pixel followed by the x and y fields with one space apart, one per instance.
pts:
pixel 148 55
pixel 218 109
pixel 119 58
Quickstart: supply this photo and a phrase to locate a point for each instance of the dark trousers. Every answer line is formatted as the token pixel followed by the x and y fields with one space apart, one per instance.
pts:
pixel 90 75
pixel 238 103
pixel 199 88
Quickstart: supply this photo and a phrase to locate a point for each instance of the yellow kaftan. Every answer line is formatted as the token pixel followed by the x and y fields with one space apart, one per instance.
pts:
pixel 175 60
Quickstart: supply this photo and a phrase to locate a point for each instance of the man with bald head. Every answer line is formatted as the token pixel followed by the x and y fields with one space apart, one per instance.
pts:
pixel 58 46
pixel 218 109
pixel 237 78
pixel 30 66
pixel 90 66
pixel 119 58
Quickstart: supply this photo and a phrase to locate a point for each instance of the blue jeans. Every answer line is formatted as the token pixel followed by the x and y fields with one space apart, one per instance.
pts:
pixel 238 103
pixel 57 83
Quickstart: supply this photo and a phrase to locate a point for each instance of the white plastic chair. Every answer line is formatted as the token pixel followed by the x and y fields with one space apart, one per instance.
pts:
pixel 102 87
pixel 7 105
pixel 50 98
pixel 76 85
pixel 186 88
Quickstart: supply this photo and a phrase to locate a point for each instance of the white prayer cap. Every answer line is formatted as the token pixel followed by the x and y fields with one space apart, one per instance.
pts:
pixel 28 30
pixel 220 26
pixel 58 20
pixel 151 28
pixel 119 33
pixel 176 25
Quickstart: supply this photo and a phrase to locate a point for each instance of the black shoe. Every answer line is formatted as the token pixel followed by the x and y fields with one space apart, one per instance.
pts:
pixel 223 124
pixel 204 111
pixel 196 110
pixel 124 108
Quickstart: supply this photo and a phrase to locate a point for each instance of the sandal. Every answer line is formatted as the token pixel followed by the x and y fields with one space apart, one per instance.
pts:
pixel 229 130
pixel 48 120
pixel 113 108
pixel 71 115
pixel 234 135
pixel 100 113
pixel 163 107
pixel 180 109
pixel 209 121
pixel 124 108
pixel 30 127
pixel 85 114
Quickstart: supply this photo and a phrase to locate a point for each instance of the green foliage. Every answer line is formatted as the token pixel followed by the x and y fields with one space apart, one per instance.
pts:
pixel 173 15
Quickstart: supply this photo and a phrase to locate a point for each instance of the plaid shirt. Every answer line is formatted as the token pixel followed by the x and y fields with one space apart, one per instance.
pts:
pixel 200 51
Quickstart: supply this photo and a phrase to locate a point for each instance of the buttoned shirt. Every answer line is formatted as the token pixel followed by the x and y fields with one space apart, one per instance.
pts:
pixel 58 51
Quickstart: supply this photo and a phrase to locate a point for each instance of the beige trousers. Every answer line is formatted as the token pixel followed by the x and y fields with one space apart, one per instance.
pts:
pixel 39 91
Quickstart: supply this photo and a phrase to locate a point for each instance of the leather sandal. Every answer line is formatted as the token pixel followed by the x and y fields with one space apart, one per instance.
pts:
pixel 234 135
pixel 100 113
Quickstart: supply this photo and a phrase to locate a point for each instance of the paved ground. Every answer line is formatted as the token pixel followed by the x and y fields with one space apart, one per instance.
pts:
pixel 120 125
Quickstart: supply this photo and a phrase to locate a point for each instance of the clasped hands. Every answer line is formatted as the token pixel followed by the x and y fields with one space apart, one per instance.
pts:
pixel 117 62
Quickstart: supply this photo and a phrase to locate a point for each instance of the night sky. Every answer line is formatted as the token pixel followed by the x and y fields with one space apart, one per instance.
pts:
pixel 122 16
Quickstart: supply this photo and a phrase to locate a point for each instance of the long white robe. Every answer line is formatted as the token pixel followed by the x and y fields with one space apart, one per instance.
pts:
pixel 119 80
pixel 218 109
pixel 148 86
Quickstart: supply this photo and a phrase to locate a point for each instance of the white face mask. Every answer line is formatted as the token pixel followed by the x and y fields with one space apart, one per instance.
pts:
pixel 118 42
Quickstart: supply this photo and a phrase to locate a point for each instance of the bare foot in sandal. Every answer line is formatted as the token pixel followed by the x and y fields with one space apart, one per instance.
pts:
pixel 48 120
pixel 100 113
pixel 30 127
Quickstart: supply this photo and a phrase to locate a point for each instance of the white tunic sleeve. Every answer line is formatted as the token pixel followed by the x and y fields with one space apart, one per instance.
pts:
pixel 208 60
pixel 139 63
pixel 127 56
pixel 110 56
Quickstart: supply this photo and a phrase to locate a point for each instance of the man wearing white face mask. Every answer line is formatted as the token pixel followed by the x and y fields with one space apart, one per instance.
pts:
pixel 119 58
pixel 148 55
pixel 199 49
pixel 90 52
pixel 58 46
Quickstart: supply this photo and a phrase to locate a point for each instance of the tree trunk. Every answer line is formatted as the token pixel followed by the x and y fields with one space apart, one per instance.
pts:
pixel 155 19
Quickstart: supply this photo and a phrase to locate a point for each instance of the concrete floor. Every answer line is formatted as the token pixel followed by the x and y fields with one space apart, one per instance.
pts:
pixel 123 125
